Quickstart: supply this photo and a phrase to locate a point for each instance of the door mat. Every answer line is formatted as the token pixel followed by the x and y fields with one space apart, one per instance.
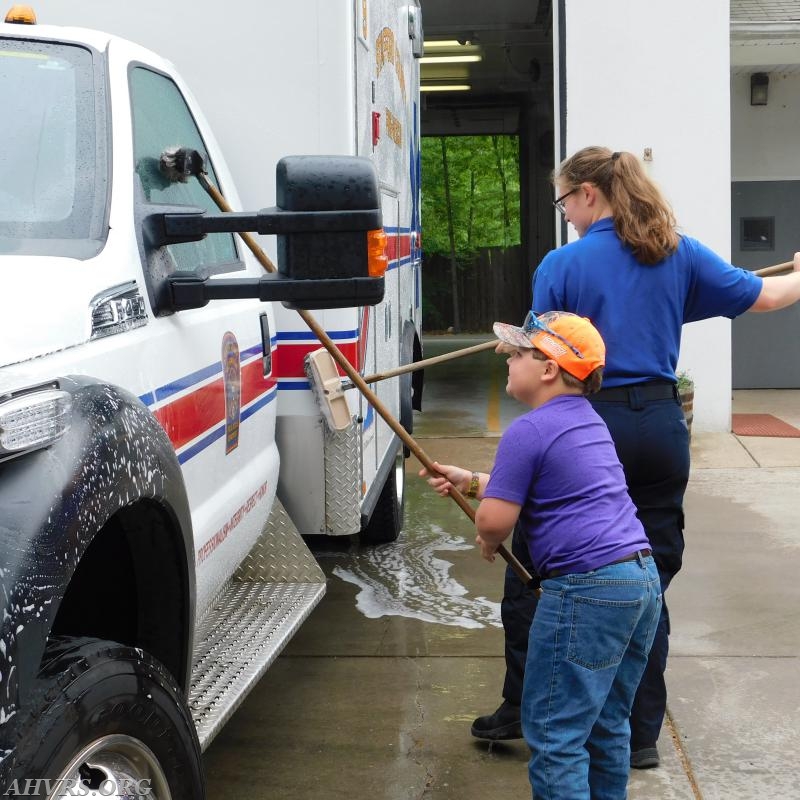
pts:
pixel 762 425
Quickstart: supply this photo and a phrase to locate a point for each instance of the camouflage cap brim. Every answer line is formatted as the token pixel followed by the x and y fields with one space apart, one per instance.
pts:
pixel 511 334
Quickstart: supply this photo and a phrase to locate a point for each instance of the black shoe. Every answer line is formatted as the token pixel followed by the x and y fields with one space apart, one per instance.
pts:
pixel 503 724
pixel 645 758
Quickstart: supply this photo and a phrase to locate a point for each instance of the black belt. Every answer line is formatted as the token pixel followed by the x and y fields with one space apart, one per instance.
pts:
pixel 557 573
pixel 651 390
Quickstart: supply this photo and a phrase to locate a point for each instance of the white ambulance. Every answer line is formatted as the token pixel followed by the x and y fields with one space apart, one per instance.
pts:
pixel 161 450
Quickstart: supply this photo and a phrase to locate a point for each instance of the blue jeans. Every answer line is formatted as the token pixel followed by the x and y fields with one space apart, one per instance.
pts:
pixel 588 647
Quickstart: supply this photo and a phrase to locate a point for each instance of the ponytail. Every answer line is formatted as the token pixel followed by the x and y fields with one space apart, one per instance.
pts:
pixel 642 217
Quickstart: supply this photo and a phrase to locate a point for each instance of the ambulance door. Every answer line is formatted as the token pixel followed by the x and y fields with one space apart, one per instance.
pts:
pixel 382 95
pixel 208 368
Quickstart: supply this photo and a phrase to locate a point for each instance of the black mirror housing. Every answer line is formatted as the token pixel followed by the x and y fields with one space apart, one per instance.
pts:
pixel 320 184
pixel 329 226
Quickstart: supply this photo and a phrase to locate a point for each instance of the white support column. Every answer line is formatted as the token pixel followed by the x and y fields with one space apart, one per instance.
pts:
pixel 657 75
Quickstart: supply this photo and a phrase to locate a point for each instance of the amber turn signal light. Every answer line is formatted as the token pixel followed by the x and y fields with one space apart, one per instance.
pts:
pixel 378 260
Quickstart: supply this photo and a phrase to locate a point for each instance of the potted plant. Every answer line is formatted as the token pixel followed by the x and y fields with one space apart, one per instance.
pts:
pixel 686 393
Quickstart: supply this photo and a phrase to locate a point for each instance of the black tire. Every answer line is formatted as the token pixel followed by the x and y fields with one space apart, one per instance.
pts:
pixel 386 521
pixel 406 385
pixel 104 710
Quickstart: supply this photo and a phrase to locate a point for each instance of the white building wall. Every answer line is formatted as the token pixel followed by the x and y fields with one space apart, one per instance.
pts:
pixel 657 75
pixel 764 139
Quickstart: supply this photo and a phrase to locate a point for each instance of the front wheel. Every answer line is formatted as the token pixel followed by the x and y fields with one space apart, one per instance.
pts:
pixel 108 721
pixel 386 521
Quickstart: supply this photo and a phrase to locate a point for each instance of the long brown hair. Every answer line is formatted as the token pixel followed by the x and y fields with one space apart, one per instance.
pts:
pixel 643 219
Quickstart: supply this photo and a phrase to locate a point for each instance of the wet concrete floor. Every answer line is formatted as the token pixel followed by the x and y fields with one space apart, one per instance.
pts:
pixel 375 695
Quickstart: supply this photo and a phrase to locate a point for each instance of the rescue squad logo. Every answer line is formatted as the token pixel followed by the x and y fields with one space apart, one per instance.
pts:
pixel 394 128
pixel 387 52
pixel 232 379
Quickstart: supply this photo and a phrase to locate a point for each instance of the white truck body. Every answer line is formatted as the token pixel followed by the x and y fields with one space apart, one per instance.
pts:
pixel 279 78
pixel 185 425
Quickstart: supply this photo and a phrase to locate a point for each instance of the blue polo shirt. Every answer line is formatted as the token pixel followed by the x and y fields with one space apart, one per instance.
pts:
pixel 638 309
pixel 558 462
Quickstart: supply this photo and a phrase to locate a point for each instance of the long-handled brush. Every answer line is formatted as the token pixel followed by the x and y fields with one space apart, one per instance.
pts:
pixel 429 362
pixel 776 269
pixel 764 272
pixel 177 165
pixel 318 369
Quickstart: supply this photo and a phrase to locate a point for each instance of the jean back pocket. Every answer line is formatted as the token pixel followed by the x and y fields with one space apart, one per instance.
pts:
pixel 600 630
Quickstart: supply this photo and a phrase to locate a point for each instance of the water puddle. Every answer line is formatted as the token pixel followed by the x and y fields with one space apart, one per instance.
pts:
pixel 407 579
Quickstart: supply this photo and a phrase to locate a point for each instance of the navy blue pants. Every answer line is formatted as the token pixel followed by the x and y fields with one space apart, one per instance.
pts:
pixel 516 611
pixel 652 443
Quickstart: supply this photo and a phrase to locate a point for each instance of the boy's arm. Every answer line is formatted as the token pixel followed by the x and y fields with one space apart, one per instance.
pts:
pixel 494 521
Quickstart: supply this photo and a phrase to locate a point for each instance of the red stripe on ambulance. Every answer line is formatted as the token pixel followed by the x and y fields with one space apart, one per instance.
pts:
pixel 195 413
pixel 289 358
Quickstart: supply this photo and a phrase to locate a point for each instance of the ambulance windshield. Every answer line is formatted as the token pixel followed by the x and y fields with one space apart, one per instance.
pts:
pixel 52 158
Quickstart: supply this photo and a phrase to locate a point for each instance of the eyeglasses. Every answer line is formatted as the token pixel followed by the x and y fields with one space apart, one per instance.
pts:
pixel 559 201
pixel 534 323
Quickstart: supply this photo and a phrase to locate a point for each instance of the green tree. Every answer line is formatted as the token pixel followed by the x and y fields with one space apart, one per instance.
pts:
pixel 470 202
pixel 483 188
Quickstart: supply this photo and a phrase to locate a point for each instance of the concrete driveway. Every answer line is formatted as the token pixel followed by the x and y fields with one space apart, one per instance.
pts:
pixel 374 698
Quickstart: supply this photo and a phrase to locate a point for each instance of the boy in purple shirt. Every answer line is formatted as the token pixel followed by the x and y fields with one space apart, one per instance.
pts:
pixel 557 472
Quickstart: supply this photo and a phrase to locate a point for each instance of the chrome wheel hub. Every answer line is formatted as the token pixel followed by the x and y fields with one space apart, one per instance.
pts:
pixel 115 766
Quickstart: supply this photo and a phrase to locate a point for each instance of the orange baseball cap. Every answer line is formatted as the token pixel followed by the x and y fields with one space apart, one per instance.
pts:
pixel 570 340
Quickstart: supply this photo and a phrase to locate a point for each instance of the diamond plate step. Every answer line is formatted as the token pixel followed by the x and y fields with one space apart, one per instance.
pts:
pixel 251 620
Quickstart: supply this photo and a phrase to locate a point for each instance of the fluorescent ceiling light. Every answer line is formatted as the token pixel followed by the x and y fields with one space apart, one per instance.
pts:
pixel 442 43
pixel 442 87
pixel 449 59
pixel 445 73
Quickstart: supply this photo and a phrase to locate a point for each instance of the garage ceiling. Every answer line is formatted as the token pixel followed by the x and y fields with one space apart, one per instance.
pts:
pixel 509 43
pixel 514 41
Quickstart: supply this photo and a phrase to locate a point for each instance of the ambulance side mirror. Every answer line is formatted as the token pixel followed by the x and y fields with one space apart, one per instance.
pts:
pixel 331 246
pixel 314 185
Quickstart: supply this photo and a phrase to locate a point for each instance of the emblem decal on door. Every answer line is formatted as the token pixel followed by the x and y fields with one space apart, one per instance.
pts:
pixel 232 377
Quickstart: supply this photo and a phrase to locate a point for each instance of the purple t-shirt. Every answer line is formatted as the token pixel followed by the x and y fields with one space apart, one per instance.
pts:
pixel 559 463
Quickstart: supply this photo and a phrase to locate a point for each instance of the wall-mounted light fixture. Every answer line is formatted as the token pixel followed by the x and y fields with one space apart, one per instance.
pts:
pixel 759 88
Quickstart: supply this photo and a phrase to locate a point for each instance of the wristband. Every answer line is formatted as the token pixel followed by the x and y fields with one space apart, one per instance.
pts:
pixel 474 485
